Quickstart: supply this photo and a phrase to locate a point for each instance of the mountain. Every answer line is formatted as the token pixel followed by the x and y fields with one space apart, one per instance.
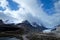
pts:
pixel 30 28
pixel 8 27
pixel 25 25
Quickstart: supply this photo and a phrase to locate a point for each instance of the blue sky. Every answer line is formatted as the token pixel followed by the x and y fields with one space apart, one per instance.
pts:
pixel 13 5
pixel 48 6
pixel 2 9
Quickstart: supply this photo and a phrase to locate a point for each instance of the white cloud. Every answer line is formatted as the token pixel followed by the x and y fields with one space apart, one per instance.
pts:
pixel 37 12
pixel 31 11
pixel 3 3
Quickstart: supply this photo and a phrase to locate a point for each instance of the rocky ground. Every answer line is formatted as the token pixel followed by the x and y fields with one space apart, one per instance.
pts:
pixel 30 36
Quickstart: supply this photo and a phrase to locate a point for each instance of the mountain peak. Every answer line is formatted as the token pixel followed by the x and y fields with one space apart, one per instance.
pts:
pixel 26 22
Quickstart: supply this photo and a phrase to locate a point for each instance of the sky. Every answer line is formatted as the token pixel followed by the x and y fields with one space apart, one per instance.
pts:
pixel 46 12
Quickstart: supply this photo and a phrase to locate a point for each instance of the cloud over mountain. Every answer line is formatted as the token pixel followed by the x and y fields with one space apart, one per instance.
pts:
pixel 32 11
